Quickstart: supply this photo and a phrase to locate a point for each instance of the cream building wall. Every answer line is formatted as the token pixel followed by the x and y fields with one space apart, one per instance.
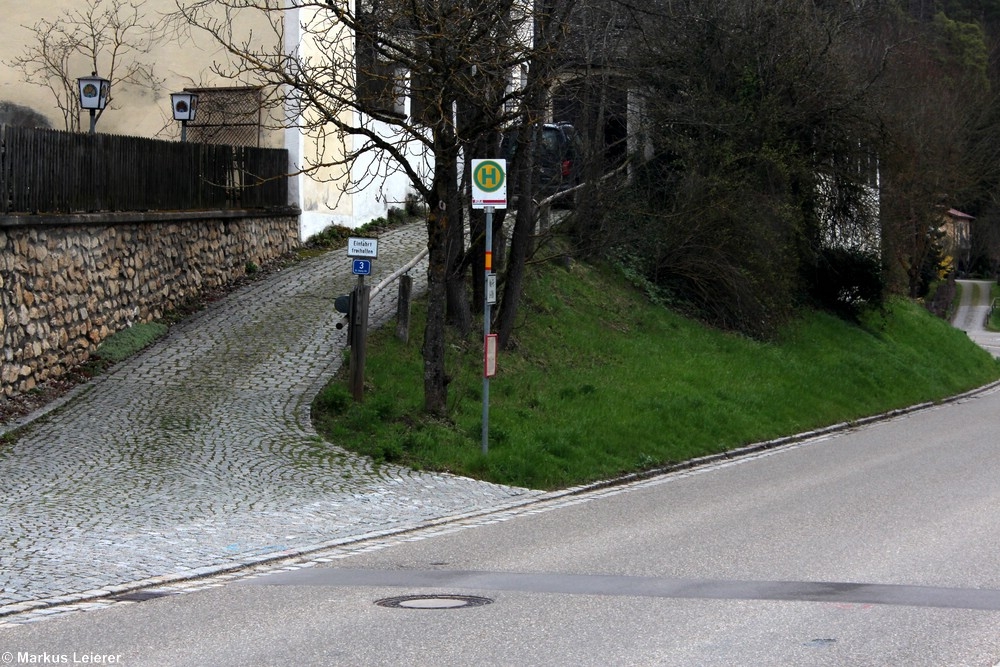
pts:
pixel 370 186
pixel 185 61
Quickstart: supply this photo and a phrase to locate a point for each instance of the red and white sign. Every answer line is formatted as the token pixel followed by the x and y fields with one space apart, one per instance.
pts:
pixel 490 356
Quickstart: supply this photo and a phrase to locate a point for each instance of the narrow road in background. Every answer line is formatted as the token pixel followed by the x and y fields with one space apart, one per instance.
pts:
pixel 972 312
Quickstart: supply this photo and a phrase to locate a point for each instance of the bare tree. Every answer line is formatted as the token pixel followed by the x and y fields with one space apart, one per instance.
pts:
pixel 381 84
pixel 549 31
pixel 109 37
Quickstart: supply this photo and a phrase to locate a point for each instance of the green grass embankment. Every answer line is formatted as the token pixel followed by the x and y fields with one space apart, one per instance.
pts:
pixel 603 383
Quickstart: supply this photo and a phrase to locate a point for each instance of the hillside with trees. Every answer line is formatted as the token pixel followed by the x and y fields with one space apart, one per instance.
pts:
pixel 742 159
pixel 803 154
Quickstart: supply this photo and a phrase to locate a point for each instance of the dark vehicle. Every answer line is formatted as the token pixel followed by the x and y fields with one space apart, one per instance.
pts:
pixel 557 160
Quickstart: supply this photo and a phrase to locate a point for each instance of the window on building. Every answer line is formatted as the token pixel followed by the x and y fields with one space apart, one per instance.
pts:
pixel 380 83
pixel 424 100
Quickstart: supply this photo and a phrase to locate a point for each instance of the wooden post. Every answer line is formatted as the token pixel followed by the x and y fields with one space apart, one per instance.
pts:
pixel 359 339
pixel 403 309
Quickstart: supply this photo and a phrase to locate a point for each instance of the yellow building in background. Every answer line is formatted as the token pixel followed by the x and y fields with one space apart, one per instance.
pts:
pixel 229 111
pixel 957 228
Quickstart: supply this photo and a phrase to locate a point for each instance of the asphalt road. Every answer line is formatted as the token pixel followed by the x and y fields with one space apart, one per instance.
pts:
pixel 876 546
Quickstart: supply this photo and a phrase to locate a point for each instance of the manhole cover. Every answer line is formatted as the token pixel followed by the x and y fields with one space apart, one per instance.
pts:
pixel 820 643
pixel 434 601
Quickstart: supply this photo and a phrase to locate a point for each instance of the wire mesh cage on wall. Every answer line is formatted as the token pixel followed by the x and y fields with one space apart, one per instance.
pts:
pixel 228 116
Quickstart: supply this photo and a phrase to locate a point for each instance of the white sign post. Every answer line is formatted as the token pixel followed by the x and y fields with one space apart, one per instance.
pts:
pixel 365 248
pixel 491 289
pixel 489 192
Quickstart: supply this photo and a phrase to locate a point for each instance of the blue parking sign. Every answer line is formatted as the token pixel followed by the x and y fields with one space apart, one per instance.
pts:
pixel 362 267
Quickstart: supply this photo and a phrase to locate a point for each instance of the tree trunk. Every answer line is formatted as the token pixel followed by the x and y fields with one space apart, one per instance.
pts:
pixel 435 377
pixel 520 247
pixel 459 310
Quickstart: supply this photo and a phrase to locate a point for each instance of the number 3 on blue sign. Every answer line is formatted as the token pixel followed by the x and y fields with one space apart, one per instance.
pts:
pixel 362 267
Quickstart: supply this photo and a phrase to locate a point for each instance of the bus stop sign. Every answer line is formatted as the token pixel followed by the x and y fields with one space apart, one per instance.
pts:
pixel 489 184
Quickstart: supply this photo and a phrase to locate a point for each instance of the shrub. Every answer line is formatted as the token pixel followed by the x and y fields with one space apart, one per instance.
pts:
pixel 846 281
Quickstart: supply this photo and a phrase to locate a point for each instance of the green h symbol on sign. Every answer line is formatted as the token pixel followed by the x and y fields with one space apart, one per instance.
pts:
pixel 488 176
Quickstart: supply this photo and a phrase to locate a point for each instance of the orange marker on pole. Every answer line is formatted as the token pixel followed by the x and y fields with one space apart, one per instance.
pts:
pixel 489 261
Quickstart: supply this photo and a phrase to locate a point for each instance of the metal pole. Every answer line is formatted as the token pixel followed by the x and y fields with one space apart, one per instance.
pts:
pixel 359 338
pixel 488 267
pixel 93 122
pixel 184 131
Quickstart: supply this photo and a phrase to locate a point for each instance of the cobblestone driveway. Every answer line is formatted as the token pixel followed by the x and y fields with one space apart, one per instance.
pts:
pixel 197 455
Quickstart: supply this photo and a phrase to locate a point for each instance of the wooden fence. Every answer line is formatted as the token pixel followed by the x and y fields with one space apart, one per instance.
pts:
pixel 47 171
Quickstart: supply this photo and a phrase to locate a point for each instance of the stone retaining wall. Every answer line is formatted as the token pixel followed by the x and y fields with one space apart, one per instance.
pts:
pixel 69 282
